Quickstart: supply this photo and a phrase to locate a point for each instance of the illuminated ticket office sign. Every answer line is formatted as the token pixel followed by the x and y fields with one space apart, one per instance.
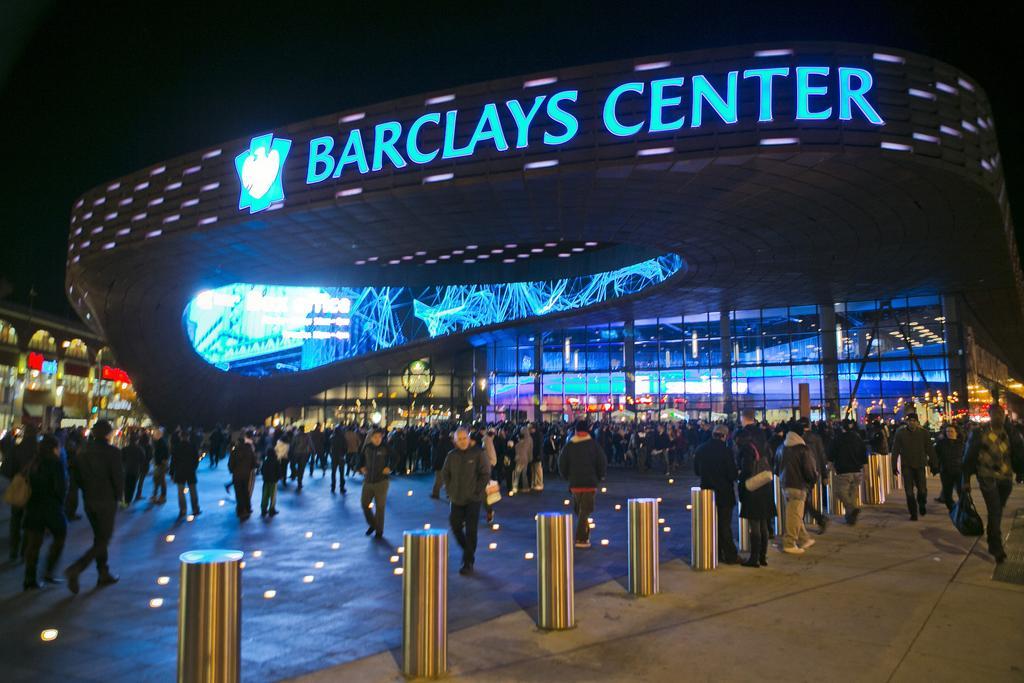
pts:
pixel 674 103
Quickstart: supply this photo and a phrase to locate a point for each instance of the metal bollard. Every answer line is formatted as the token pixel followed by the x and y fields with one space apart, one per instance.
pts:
pixel 779 523
pixel 703 529
pixel 643 546
pixel 886 473
pixel 556 598
pixel 874 476
pixel 210 616
pixel 743 534
pixel 896 480
pixel 425 603
pixel 835 505
pixel 815 497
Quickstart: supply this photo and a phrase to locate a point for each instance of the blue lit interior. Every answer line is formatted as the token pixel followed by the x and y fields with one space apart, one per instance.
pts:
pixel 255 329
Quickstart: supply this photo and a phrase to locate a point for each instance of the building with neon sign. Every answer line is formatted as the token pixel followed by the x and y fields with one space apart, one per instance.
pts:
pixel 817 226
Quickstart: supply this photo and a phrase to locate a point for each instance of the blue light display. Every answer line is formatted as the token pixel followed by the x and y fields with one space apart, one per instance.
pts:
pixel 256 329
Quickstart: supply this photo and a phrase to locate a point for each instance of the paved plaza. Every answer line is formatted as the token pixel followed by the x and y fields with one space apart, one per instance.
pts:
pixel 885 600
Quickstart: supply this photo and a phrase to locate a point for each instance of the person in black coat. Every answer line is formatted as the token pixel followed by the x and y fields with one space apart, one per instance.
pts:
pixel 132 458
pixel 272 470
pixel 101 478
pixel 161 460
pixel 715 465
pixel 757 506
pixel 184 463
pixel 242 465
pixel 45 511
pixel 949 449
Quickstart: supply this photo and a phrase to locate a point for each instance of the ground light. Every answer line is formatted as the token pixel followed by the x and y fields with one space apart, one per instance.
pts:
pixel 269 595
pixel 169 538
pixel 48 634
pixel 308 578
pixel 399 571
pixel 163 580
pixel 335 545
pixel 318 565
pixel 257 553
pixel 528 556
pixel 156 602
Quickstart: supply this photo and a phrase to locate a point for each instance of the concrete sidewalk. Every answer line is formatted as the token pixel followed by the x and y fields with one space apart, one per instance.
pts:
pixel 886 600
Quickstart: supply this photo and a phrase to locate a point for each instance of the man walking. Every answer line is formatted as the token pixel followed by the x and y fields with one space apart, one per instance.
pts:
pixel 912 452
pixel 101 478
pixel 374 465
pixel 302 448
pixel 465 473
pixel 338 450
pixel 993 453
pixel 796 466
pixel 242 466
pixel 583 464
pixel 849 455
pixel 184 463
pixel 714 464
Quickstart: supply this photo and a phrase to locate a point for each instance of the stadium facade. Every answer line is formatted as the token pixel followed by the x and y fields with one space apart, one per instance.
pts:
pixel 814 227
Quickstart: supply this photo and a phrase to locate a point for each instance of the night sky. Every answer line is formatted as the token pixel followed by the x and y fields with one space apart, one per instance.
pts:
pixel 92 91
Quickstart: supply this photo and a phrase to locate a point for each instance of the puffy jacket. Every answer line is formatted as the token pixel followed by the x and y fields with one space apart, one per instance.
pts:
pixel 465 475
pixel 796 464
pixel 582 462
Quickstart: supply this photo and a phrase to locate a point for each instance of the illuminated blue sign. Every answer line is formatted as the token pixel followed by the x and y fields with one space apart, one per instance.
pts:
pixel 670 104
pixel 265 329
pixel 259 171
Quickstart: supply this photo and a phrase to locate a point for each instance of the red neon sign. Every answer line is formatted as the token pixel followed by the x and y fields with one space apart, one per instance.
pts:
pixel 115 374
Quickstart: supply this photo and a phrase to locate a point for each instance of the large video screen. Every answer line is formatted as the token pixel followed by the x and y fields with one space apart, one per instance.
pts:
pixel 258 330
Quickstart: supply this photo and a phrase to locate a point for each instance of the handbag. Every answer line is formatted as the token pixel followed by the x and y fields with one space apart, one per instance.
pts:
pixel 965 518
pixel 763 476
pixel 18 493
pixel 493 492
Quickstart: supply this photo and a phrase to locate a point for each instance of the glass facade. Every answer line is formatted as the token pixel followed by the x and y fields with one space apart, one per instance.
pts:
pixel 865 357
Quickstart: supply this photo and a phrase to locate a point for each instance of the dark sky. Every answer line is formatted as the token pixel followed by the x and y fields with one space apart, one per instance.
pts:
pixel 91 91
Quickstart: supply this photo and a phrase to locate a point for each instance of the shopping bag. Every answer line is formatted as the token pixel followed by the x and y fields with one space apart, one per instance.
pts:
pixel 965 518
pixel 493 492
pixel 18 493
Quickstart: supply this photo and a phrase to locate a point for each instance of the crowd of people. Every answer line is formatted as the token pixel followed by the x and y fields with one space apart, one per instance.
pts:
pixel 474 464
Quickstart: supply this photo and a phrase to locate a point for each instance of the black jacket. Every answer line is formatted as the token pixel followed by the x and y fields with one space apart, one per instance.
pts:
pixel 99 473
pixel 184 461
pixel 272 469
pixel 465 475
pixel 374 459
pixel 582 463
pixel 757 504
pixel 714 464
pixel 46 504
pixel 133 458
pixel 912 448
pixel 242 460
pixel 848 453
pixel 950 454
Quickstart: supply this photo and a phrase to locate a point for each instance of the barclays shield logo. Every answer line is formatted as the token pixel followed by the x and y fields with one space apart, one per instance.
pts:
pixel 259 172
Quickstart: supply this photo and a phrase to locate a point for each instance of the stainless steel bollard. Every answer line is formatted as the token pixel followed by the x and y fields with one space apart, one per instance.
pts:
pixel 835 505
pixel 895 480
pixel 743 534
pixel 425 603
pixel 703 529
pixel 643 546
pixel 874 476
pixel 210 616
pixel 815 497
pixel 886 473
pixel 779 523
pixel 556 598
